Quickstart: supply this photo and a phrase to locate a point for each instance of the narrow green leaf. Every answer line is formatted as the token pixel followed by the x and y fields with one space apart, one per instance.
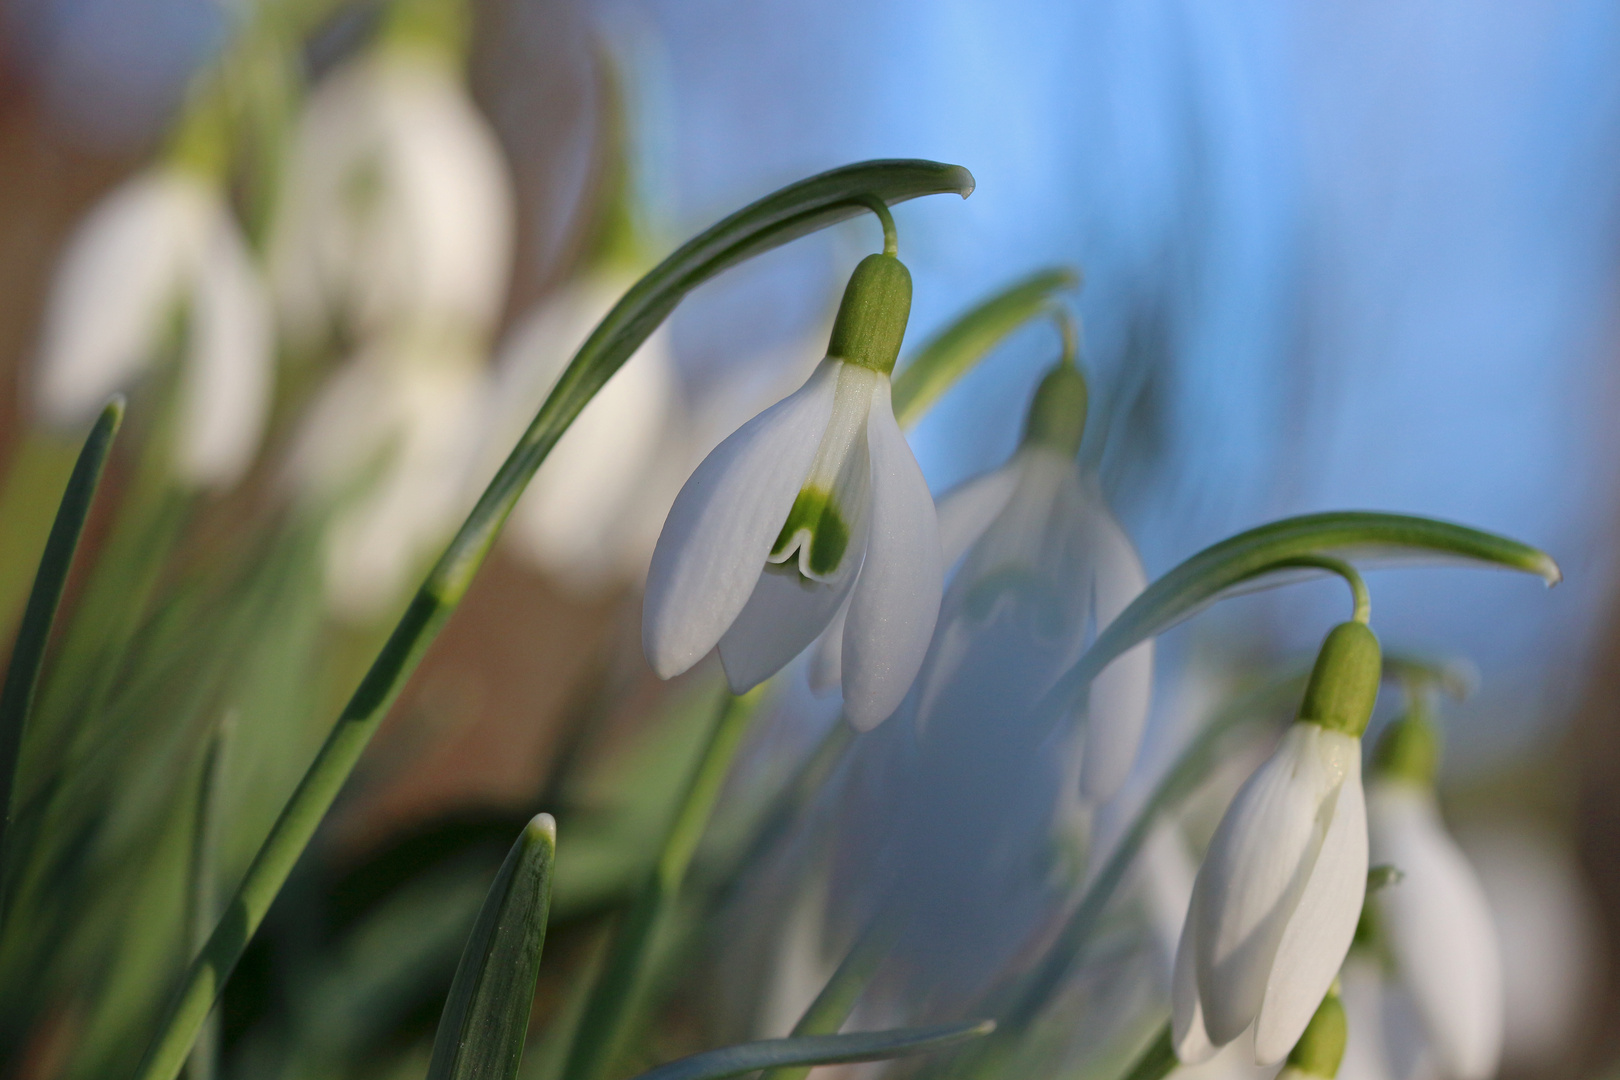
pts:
pixel 621 983
pixel 794 211
pixel 1255 558
pixel 28 651
pixel 818 1050
pixel 950 353
pixel 486 1017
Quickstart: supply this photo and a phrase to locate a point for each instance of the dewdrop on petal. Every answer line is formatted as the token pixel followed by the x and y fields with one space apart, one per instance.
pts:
pixel 164 243
pixel 816 499
pixel 1278 896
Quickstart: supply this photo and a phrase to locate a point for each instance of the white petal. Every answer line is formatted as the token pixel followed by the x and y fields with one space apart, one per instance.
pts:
pixel 896 600
pixel 1186 1012
pixel 784 614
pixel 567 520
pixel 1257 867
pixel 1320 929
pixel 1122 693
pixel 827 662
pixel 229 363
pixel 1440 930
pixel 713 547
pixel 967 510
pixel 1362 991
pixel 114 288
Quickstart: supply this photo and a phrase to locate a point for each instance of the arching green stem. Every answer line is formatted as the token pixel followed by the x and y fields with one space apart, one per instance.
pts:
pixel 1358 588
pixel 891 238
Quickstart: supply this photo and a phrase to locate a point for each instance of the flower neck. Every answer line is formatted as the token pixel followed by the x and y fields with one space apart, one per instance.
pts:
pixel 1320 1049
pixel 1409 750
pixel 1057 414
pixel 872 318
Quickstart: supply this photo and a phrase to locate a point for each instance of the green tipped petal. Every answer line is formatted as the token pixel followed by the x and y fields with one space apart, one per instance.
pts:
pixel 815 529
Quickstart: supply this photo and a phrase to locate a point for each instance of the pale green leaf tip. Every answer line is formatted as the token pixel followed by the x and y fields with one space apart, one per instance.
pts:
pixel 968 184
pixel 983 1027
pixel 115 408
pixel 542 827
pixel 1548 569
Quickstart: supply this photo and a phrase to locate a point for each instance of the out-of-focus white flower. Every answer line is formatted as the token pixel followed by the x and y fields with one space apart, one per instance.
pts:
pixel 1277 898
pixel 388 451
pixel 163 243
pixel 577 520
pixel 397 208
pixel 816 499
pixel 1549 932
pixel 1438 927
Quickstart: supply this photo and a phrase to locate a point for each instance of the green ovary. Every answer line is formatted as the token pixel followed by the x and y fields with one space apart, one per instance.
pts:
pixel 816 514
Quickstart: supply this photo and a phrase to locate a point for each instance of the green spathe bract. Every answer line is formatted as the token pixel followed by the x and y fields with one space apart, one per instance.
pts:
pixel 816 523
pixel 792 212
pixel 872 317
pixel 1344 683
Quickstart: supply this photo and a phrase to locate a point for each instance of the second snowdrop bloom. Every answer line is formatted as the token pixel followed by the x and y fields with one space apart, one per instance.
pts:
pixel 1277 899
pixel 816 499
pixel 163 244
pixel 1435 919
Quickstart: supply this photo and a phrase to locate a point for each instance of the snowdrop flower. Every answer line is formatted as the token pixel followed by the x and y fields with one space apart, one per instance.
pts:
pixel 397 205
pixel 574 521
pixel 387 451
pixel 163 243
pixel 1435 920
pixel 816 499
pixel 1044 552
pixel 1278 896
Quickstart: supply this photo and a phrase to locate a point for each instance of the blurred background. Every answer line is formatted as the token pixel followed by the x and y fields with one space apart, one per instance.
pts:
pixel 1336 256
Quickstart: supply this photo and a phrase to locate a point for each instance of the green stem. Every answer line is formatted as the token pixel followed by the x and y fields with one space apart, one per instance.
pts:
pixel 891 238
pixel 1069 329
pixel 1157 1060
pixel 1359 596
pixel 794 211
pixel 837 999
pixel 621 984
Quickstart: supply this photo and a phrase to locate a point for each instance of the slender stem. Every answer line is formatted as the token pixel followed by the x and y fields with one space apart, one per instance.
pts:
pixel 1068 328
pixel 1157 1060
pixel 1358 588
pixel 836 1001
pixel 891 238
pixel 616 997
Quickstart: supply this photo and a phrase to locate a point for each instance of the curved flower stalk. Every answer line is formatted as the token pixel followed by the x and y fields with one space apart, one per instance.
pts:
pixel 579 519
pixel 816 499
pixel 387 450
pixel 163 243
pixel 1277 898
pixel 1435 920
pixel 397 206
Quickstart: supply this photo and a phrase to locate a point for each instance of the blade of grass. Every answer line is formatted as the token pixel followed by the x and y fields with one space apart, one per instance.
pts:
pixel 794 211
pixel 28 652
pixel 486 1017
pixel 818 1050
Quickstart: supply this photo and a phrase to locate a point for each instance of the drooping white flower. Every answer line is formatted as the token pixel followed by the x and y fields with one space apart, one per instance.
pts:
pixel 387 451
pixel 163 244
pixel 1435 919
pixel 576 521
pixel 397 206
pixel 1042 557
pixel 1278 896
pixel 815 499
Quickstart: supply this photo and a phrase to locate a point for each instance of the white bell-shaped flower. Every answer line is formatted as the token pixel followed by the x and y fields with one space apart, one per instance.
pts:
pixel 575 520
pixel 164 243
pixel 387 451
pixel 397 206
pixel 815 499
pixel 1278 896
pixel 1435 919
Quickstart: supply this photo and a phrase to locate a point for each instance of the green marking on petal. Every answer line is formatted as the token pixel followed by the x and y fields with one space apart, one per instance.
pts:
pixel 814 525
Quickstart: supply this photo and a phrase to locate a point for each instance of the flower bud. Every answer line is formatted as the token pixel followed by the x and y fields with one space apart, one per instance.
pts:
pixel 1321 1049
pixel 1408 750
pixel 1057 415
pixel 1344 683
pixel 872 317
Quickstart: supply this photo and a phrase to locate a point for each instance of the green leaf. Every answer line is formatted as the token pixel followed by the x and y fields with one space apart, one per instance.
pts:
pixel 1158 1060
pixel 817 1050
pixel 831 1008
pixel 1264 555
pixel 794 211
pixel 486 1017
pixel 28 652
pixel 950 353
